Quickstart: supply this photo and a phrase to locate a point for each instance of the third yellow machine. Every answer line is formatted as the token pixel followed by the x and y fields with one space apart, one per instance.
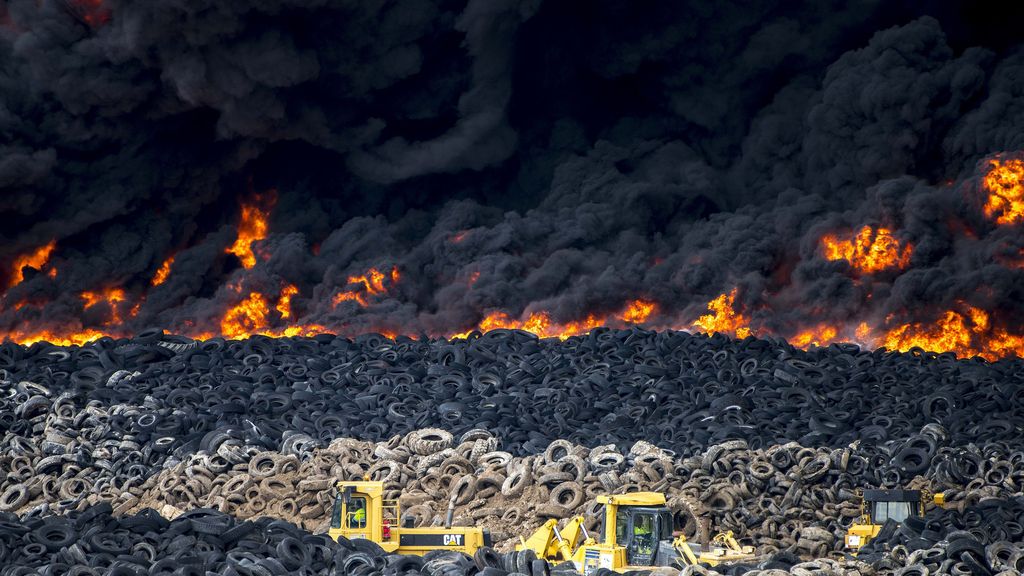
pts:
pixel 879 506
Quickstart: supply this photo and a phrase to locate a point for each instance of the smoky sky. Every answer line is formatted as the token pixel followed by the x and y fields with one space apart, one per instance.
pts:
pixel 585 153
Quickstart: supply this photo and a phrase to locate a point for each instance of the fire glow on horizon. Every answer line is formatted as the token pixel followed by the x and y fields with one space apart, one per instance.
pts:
pixel 963 329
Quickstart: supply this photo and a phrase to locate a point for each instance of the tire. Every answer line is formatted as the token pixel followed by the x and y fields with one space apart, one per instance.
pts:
pixel 292 553
pixel 55 535
pixel 524 560
pixel 568 495
pixel 486 557
pixel 514 484
pixel 14 498
pixel 464 490
pixel 429 441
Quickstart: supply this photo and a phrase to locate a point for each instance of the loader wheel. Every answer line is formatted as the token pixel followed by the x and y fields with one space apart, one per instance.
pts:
pixel 539 568
pixel 566 567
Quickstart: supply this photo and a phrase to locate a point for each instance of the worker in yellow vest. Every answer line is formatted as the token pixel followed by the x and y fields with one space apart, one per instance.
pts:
pixel 642 532
pixel 357 519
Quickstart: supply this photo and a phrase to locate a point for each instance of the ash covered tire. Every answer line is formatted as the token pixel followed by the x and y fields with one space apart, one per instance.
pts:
pixel 14 498
pixel 429 441
pixel 514 484
pixel 557 450
pixel 464 490
pixel 567 495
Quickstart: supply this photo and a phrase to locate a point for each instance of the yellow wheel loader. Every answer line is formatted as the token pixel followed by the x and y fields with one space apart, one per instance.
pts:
pixel 879 506
pixel 360 511
pixel 636 533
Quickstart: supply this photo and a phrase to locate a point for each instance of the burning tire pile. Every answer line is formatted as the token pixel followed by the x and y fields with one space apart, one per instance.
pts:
pixel 143 446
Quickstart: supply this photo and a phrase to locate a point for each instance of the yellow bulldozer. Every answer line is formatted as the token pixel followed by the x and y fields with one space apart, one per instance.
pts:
pixel 360 511
pixel 636 533
pixel 879 506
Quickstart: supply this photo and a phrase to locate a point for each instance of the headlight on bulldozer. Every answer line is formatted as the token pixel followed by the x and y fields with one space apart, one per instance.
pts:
pixel 853 540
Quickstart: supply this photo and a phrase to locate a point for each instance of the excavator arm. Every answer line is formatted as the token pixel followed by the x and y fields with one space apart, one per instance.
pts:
pixel 555 545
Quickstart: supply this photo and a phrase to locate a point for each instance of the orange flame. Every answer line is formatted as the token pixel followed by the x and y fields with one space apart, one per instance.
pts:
pixel 305 330
pixel 473 278
pixel 965 334
pixel 34 259
pixel 869 252
pixel 113 297
pixel 638 311
pixel 372 284
pixel 26 338
pixel 1005 184
pixel 822 335
pixel 863 332
pixel 284 302
pixel 246 318
pixel 163 272
pixel 252 227
pixel 250 317
pixel 724 317
pixel 538 323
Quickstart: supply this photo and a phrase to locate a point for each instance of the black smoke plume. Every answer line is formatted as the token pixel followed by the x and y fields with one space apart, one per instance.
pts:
pixel 505 155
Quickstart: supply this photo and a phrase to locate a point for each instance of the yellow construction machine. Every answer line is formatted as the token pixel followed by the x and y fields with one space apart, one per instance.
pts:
pixel 360 511
pixel 879 506
pixel 636 533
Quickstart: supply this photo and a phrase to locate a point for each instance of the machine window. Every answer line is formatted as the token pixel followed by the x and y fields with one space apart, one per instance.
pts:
pixel 897 511
pixel 357 512
pixel 666 526
pixel 643 532
pixel 336 513
pixel 621 526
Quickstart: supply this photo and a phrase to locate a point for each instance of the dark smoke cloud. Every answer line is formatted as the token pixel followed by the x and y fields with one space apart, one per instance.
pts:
pixel 514 155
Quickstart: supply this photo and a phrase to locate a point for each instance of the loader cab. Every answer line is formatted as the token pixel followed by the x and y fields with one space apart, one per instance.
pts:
pixel 640 530
pixel 896 505
pixel 880 506
pixel 360 511
pixel 638 525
